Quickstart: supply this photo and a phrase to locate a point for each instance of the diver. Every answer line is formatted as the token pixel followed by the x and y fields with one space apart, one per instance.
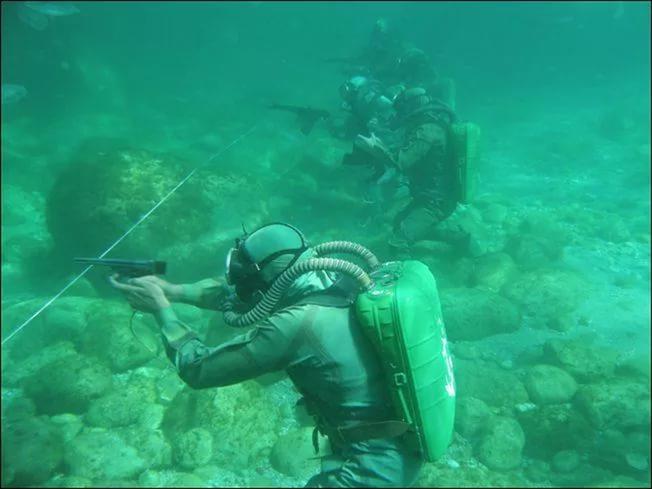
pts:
pixel 424 157
pixel 369 104
pixel 310 333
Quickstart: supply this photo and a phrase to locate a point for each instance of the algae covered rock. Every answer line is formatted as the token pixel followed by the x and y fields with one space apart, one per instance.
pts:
pixel 118 408
pixel 472 314
pixel 547 384
pixel 294 455
pixel 565 461
pixel 615 404
pixel 539 242
pixel 97 453
pixel 502 447
pixel 104 190
pixel 169 478
pixel 111 339
pixel 471 416
pixel 68 385
pixel 552 428
pixel 193 448
pixel 492 271
pixel 32 450
pixel 546 294
pixel 584 360
pixel 489 383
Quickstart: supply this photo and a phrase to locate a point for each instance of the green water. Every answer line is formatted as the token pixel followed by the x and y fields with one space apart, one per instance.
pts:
pixel 121 100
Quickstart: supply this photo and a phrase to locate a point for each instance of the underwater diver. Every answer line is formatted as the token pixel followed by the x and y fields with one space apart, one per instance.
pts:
pixel 424 157
pixel 369 106
pixel 311 334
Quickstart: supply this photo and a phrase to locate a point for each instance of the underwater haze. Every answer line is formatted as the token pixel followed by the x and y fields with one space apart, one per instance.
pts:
pixel 108 106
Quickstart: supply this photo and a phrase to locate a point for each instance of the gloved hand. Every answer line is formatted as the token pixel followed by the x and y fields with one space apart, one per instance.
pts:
pixel 173 292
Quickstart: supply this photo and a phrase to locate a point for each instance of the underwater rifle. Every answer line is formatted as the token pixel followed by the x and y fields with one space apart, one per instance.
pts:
pixel 128 268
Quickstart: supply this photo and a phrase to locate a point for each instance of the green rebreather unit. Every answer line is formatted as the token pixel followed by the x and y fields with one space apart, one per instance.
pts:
pixel 402 316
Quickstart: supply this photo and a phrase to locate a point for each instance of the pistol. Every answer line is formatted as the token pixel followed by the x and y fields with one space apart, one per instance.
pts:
pixel 128 268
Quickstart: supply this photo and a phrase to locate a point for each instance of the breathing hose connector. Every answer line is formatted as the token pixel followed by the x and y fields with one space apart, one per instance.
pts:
pixel 263 308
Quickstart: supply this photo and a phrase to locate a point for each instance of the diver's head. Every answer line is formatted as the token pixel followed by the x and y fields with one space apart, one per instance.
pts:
pixel 413 102
pixel 350 88
pixel 258 258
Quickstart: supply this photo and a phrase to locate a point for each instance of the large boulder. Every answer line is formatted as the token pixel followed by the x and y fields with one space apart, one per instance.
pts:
pixel 31 450
pixel 548 384
pixel 616 404
pixel 584 360
pixel 68 384
pixel 111 338
pixel 502 447
pixel 99 454
pixel 489 383
pixel 554 427
pixel 544 295
pixel 105 189
pixel 241 418
pixel 193 448
pixel 471 416
pixel 473 314
pixel 492 271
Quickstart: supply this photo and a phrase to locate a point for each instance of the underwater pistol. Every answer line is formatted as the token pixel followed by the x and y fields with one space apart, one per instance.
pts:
pixel 128 268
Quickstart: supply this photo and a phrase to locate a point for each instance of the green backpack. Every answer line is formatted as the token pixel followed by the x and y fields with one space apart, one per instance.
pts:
pixel 401 315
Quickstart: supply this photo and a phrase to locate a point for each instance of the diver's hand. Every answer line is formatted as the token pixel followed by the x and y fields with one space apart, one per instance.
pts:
pixel 374 147
pixel 173 292
pixel 143 295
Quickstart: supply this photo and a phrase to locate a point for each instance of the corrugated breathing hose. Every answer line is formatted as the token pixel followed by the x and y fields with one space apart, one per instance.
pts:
pixel 348 247
pixel 262 309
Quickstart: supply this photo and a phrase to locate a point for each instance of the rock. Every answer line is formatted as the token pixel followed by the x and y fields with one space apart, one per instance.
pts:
pixel 35 450
pixel 565 461
pixel 169 478
pixel 83 216
pixel 471 416
pixel 68 385
pixel 547 384
pixel 15 406
pixel 494 213
pixel 502 447
pixel 111 339
pixel 546 294
pixel 617 404
pixel 552 428
pixel 241 417
pixel 472 314
pixel 492 271
pixel 38 360
pixel 151 445
pixel 581 358
pixel 116 409
pixel 68 481
pixel 294 455
pixel 561 323
pixel 193 448
pixel 489 383
pixel 97 453
pixel 69 425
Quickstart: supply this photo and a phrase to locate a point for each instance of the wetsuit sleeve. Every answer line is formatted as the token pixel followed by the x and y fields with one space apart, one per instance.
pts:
pixel 269 346
pixel 419 142
pixel 209 293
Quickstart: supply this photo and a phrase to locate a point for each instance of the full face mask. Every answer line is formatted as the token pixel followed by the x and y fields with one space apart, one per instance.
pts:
pixel 249 260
